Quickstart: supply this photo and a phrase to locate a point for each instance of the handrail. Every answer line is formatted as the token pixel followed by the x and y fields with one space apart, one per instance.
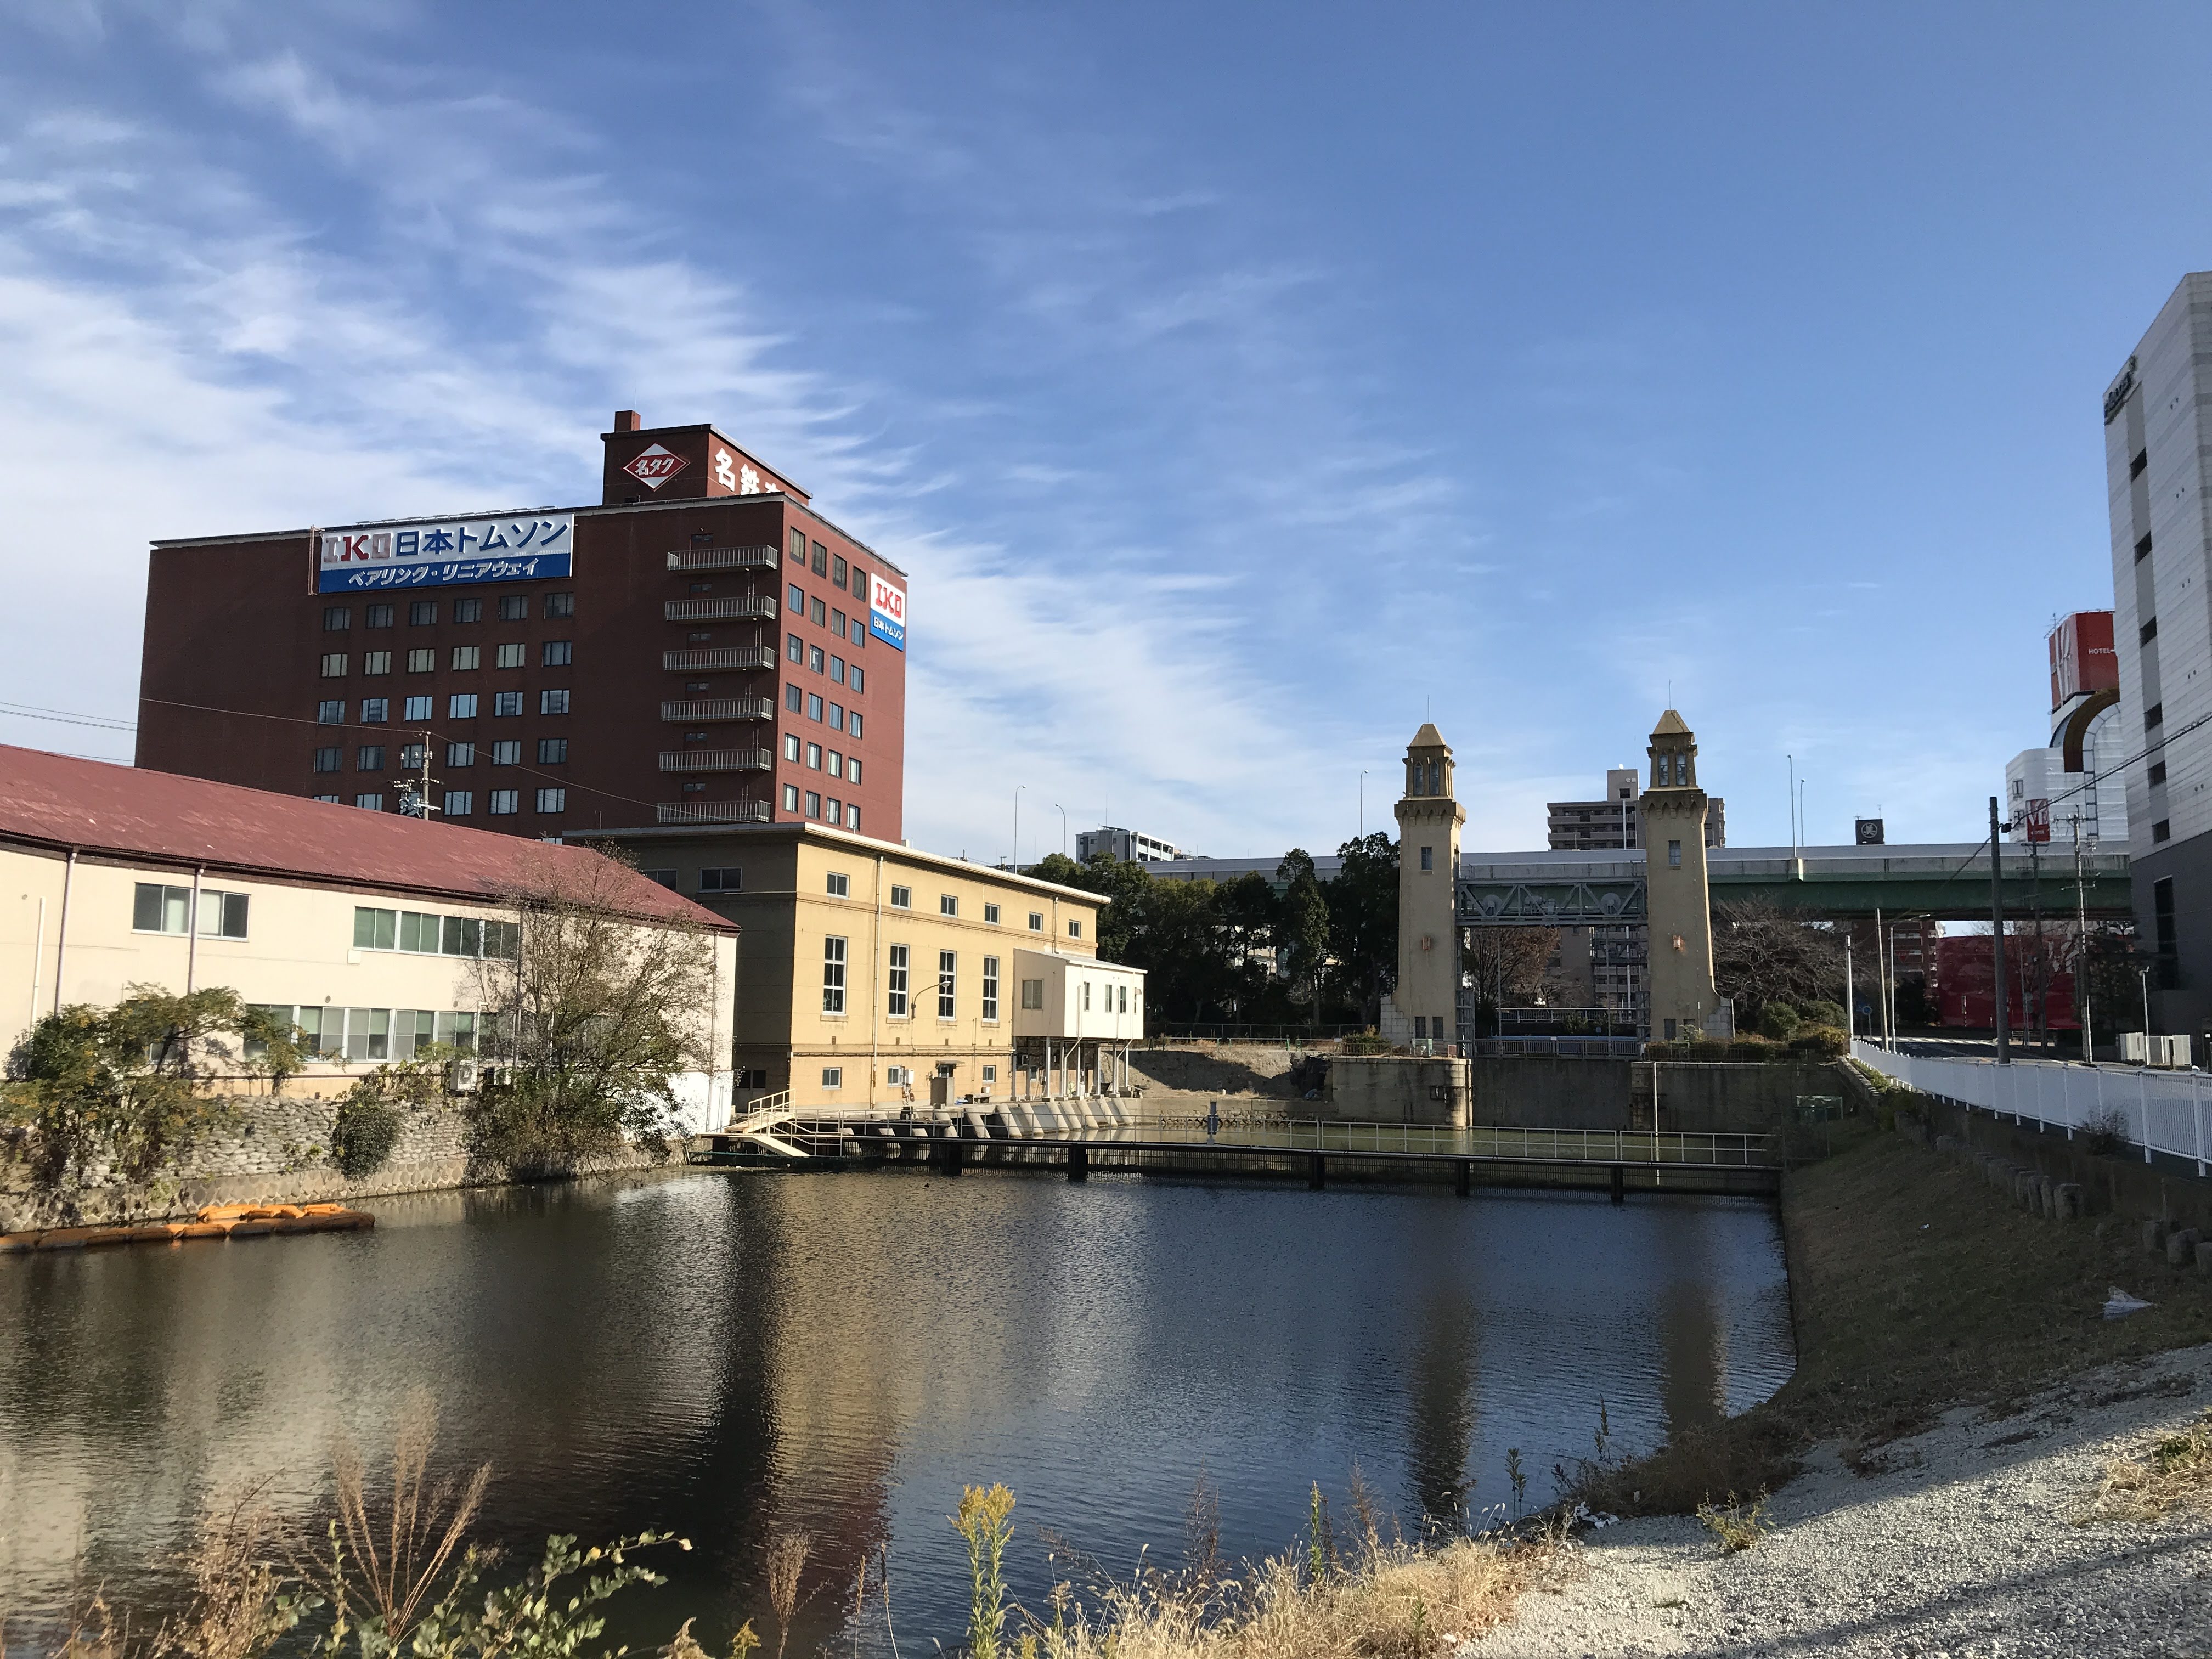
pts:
pixel 724 558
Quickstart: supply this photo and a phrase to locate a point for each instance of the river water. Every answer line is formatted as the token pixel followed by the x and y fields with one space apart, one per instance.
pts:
pixel 733 1355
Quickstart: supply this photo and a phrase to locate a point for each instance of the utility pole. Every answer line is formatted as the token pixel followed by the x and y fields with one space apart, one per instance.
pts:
pixel 2038 980
pixel 1997 936
pixel 1017 827
pixel 2082 949
pixel 1851 996
pixel 1881 983
pixel 417 802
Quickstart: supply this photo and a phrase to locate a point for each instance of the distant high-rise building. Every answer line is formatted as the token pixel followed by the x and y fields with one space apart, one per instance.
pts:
pixel 1595 825
pixel 1128 845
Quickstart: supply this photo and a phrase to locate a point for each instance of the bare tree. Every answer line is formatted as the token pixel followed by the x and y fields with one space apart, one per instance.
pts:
pixel 1763 954
pixel 1507 965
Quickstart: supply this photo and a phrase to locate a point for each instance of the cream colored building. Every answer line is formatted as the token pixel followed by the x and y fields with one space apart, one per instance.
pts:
pixel 1425 1006
pixel 371 931
pixel 1679 898
pixel 869 972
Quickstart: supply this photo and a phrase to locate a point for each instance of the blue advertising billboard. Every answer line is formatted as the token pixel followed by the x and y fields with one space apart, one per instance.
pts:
pixel 440 552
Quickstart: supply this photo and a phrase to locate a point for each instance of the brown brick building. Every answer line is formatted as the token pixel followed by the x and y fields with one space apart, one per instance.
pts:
pixel 701 648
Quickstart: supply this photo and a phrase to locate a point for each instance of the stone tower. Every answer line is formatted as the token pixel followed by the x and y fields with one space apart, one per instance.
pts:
pixel 1429 822
pixel 1683 1000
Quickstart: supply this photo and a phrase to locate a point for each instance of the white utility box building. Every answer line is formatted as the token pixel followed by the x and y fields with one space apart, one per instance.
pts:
pixel 1074 1020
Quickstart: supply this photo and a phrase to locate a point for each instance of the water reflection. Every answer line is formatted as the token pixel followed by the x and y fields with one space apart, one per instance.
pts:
pixel 735 1356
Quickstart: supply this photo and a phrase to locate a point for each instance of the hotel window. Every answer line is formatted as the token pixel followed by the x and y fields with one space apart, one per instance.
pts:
pixel 460 754
pixel 468 610
pixel 797 547
pixel 794 699
pixel 833 976
pixel 859 584
pixel 559 653
pixel 821 566
pixel 854 679
pixel 813 805
pixel 466 656
pixel 833 811
pixel 460 803
pixel 813 706
pixel 1036 921
pixel 370 759
pixel 947 905
pixel 838 623
pixel 837 570
pixel 334 665
pixel 372 802
pixel 553 800
pixel 837 717
pixel 814 757
pixel 552 751
pixel 991 915
pixel 791 746
pixel 374 711
pixel 553 703
pixel 852 819
pixel 1075 930
pixel 379 615
pixel 795 602
pixel 330 711
pixel 507 751
pixel 506 803
pixel 337 618
pixel 159 909
pixel 837 669
pixel 505 705
pixel 422 661
pixel 947 974
pixel 990 988
pixel 902 898
pixel 895 988
pixel 558 605
pixel 422 613
pixel 836 764
pixel 794 648
pixel 815 658
pixel 853 769
pixel 515 607
pixel 853 725
pixel 791 798
pixel 841 886
pixel 329 760
pixel 376 662
pixel 509 655
pixel 419 709
pixel 833 1076
pixel 1032 993
pixel 461 706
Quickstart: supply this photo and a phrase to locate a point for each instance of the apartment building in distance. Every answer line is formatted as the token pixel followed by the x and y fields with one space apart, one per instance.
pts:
pixel 1125 845
pixel 1595 825
pixel 700 646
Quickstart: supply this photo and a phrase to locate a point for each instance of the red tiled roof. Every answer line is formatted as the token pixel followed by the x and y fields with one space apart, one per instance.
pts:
pixel 97 806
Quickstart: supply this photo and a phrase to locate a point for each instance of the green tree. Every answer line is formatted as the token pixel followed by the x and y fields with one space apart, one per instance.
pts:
pixel 1363 922
pixel 1302 932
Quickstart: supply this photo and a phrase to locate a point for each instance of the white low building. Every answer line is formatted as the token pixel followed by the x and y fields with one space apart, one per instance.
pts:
pixel 370 931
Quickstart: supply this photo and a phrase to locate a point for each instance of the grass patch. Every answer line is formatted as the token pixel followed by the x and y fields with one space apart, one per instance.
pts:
pixel 1916 1287
pixel 2174 1473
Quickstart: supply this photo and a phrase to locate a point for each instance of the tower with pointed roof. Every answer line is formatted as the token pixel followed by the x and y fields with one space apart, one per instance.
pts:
pixel 1429 822
pixel 1683 1000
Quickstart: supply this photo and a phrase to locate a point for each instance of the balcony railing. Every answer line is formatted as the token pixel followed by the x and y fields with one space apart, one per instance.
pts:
pixel 721 656
pixel 716 760
pixel 712 812
pixel 701 709
pixel 745 605
pixel 724 558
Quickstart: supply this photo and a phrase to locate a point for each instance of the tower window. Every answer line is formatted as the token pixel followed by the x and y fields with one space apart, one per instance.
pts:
pixel 1428 858
pixel 1674 855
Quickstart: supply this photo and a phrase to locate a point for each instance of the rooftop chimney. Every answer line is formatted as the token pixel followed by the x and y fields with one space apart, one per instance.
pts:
pixel 627 420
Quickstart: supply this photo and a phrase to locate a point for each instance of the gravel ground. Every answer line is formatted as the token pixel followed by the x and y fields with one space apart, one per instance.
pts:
pixel 1961 1543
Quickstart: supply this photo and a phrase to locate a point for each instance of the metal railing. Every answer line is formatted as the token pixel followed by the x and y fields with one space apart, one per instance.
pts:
pixel 1555 1047
pixel 703 709
pixel 725 558
pixel 716 760
pixel 741 605
pixel 721 656
pixel 711 812
pixel 2161 1112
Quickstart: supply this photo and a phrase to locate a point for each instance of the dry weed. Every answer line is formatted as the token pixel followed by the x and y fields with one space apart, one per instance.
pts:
pixel 399 1554
pixel 787 1560
pixel 1735 1526
pixel 2174 1472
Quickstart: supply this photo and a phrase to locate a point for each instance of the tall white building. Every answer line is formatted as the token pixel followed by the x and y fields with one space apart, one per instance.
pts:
pixel 2157 436
pixel 1128 846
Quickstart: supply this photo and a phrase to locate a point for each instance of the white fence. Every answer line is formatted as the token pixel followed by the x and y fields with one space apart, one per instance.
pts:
pixel 2164 1111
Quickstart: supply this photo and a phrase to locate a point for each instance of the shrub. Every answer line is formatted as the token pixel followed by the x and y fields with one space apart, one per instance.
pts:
pixel 2106 1131
pixel 1754 1049
pixel 1822 1013
pixel 1365 1042
pixel 362 1138
pixel 1820 1042
pixel 1777 1020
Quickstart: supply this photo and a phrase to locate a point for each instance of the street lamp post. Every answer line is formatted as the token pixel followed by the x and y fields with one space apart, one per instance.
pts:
pixel 1018 826
pixel 1062 811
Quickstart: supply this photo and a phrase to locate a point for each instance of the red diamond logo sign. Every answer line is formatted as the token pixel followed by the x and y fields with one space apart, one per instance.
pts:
pixel 655 467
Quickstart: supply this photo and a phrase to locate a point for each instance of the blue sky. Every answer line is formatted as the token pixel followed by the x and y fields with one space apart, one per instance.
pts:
pixel 1240 383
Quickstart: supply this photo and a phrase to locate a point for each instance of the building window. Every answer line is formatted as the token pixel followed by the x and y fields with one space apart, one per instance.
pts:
pixel 461 706
pixel 378 615
pixel 460 803
pixel 991 915
pixel 902 898
pixel 833 1076
pixel 791 798
pixel 837 570
pixel 558 605
pixel 370 758
pixel 813 706
pixel 505 705
pixel 158 910
pixel 375 711
pixel 853 678
pixel 2143 547
pixel 552 751
pixel 841 886
pixel 895 986
pixel 507 751
pixel 948 904
pixel 725 879
pixel 947 977
pixel 2162 917
pixel 833 976
pixel 813 804
pixel 553 703
pixel 330 711
pixel 799 547
pixel 334 665
pixel 794 648
pixel 422 661
pixel 1428 858
pixel 990 988
pixel 509 655
pixel 837 671
pixel 2148 632
pixel 422 613
pixel 837 717
pixel 558 653
pixel 1674 855
pixel 376 662
pixel 795 602
pixel 821 566
pixel 506 803
pixel 794 699
pixel 2162 831
pixel 814 757
pixel 329 760
pixel 515 607
pixel 411 758
pixel 833 811
pixel 327 800
pixel 2157 774
pixel 815 658
pixel 419 709
pixel 1075 930
pixel 553 800
pixel 1086 996
pixel 2154 715
pixel 1032 993
pixel 466 656
pixel 791 746
pixel 468 610
pixel 838 623
pixel 853 725
pixel 460 754
pixel 369 803
pixel 852 819
pixel 337 618
pixel 2135 466
pixel 1036 921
